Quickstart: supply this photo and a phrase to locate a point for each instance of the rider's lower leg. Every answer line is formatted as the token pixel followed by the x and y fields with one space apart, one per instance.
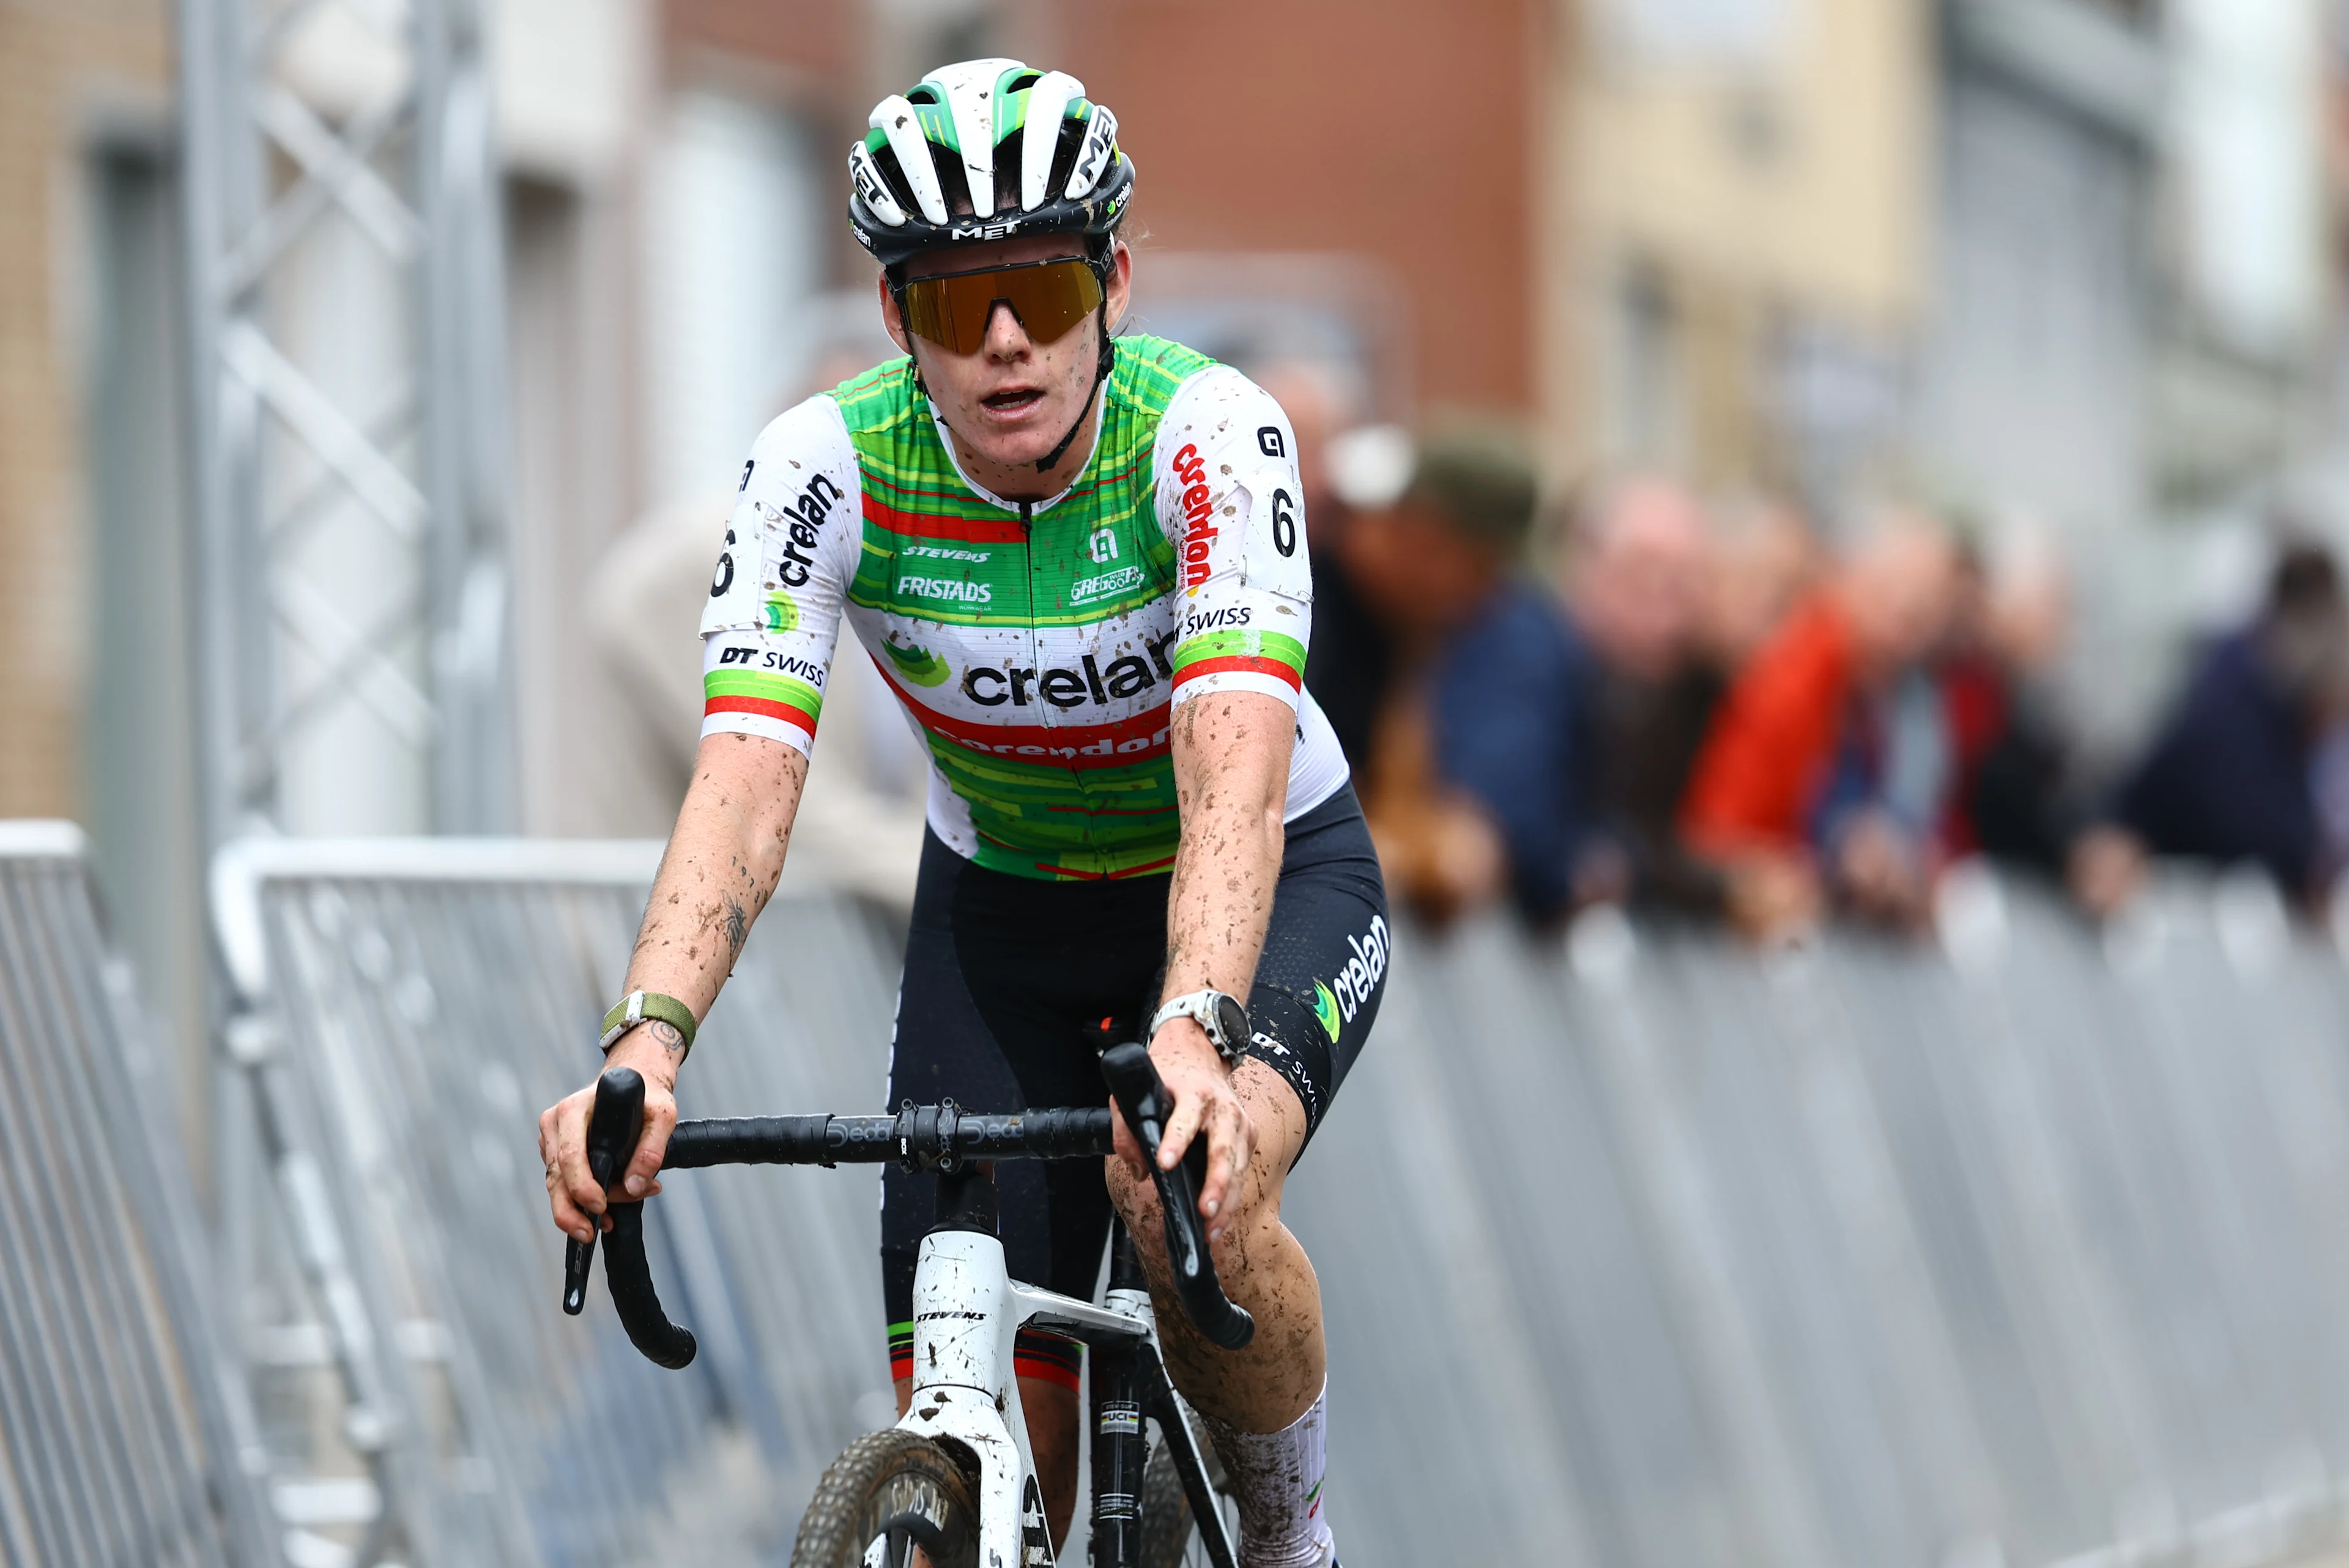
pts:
pixel 1266 1397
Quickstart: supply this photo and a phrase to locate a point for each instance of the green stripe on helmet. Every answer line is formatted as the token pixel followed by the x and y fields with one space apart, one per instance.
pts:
pixel 938 125
pixel 1011 108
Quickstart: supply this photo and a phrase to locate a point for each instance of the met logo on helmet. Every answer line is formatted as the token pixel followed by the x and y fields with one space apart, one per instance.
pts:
pixel 1100 140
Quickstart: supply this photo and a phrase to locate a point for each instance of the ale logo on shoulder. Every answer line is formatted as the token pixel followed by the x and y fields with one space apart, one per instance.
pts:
pixel 1336 1004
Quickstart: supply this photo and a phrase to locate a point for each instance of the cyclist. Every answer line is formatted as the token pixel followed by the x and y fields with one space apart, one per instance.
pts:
pixel 1080 563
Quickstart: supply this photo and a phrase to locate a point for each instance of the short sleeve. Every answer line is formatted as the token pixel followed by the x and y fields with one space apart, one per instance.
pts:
pixel 774 599
pixel 1230 502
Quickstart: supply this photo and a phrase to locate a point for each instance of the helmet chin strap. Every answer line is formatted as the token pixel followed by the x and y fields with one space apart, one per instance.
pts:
pixel 1101 367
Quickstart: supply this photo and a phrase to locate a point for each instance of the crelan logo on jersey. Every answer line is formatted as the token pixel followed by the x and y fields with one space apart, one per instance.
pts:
pixel 1199 530
pixel 918 664
pixel 1356 983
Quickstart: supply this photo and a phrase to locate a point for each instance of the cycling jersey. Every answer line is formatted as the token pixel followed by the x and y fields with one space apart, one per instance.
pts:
pixel 1039 649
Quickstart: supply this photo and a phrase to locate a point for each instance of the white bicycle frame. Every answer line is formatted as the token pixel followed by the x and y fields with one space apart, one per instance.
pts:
pixel 967 1313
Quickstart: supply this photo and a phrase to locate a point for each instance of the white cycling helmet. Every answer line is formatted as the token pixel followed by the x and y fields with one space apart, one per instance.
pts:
pixel 983 151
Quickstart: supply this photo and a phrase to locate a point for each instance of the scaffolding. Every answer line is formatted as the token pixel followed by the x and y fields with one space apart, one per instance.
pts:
pixel 348 402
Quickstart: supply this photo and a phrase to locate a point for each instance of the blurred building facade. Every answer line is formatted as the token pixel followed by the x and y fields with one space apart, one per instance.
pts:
pixel 2063 257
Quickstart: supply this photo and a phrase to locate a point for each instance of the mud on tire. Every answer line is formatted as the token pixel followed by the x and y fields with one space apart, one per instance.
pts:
pixel 890 1483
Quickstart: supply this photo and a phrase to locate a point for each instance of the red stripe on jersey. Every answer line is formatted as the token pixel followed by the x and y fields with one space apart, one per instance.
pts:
pixel 929 525
pixel 1074 874
pixel 761 706
pixel 1192 671
pixel 1149 727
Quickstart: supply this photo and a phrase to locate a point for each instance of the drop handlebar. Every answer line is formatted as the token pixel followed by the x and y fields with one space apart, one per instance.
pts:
pixel 936 1138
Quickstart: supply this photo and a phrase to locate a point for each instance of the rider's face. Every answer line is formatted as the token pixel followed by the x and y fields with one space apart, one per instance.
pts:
pixel 1012 399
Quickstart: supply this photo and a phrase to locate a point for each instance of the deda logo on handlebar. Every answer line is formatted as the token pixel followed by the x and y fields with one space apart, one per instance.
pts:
pixel 955 1475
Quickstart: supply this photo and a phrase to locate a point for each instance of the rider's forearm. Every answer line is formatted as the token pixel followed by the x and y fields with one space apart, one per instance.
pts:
pixel 718 872
pixel 1231 781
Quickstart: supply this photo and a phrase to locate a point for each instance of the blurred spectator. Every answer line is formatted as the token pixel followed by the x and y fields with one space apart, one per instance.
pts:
pixel 1833 736
pixel 1766 559
pixel 1640 589
pixel 2014 800
pixel 2232 775
pixel 1351 662
pixel 1479 777
pixel 860 820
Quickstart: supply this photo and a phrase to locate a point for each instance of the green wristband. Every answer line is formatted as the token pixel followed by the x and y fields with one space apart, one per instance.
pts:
pixel 638 1006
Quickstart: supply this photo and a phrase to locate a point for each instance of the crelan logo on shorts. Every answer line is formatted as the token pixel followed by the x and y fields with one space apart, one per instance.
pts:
pixel 1356 983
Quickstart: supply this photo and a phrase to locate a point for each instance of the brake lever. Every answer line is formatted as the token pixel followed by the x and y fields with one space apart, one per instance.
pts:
pixel 1141 1097
pixel 612 1131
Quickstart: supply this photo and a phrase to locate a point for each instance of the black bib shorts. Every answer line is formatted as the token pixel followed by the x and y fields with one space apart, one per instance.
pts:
pixel 1006 975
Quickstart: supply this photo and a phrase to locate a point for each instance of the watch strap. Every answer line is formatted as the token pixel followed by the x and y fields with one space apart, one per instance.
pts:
pixel 1200 1006
pixel 638 1006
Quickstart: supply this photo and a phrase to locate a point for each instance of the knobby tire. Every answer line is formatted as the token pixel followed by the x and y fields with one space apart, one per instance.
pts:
pixel 890 1481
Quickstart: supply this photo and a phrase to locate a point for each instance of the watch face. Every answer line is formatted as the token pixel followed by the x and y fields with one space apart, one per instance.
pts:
pixel 1232 1018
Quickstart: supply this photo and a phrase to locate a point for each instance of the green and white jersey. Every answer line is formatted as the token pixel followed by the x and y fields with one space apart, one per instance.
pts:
pixel 1038 655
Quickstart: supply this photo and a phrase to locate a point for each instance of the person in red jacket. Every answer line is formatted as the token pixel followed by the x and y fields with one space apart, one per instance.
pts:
pixel 1764 771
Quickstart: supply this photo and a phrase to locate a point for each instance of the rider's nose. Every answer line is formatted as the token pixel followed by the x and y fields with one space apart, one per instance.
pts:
pixel 1005 336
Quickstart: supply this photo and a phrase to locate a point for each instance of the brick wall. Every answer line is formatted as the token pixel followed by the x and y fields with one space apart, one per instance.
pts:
pixel 64 64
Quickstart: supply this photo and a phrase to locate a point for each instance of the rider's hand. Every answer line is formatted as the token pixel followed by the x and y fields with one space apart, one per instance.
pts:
pixel 571 1189
pixel 1202 1090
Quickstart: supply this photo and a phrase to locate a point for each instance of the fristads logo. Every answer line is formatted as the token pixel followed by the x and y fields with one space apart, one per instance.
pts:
pixel 799 527
pixel 955 588
pixel 1124 677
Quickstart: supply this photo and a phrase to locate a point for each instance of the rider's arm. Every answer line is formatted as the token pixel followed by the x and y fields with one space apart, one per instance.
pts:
pixel 774 609
pixel 1230 495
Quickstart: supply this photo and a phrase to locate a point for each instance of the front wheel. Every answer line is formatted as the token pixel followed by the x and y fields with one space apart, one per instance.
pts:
pixel 1170 1536
pixel 887 1494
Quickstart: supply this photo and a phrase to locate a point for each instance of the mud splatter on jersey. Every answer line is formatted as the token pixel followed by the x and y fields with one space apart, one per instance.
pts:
pixel 1040 663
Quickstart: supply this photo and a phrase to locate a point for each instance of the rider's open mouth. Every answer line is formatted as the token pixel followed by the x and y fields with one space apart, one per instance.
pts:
pixel 1013 400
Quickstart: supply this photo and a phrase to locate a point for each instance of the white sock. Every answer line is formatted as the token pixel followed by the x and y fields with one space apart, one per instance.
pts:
pixel 1277 1478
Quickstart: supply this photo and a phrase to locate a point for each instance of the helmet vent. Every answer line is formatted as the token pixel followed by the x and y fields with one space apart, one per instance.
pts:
pixel 1021 84
pixel 926 94
pixel 1064 156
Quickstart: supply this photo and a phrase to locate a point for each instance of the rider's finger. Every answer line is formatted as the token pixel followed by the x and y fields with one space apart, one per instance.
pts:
pixel 1227 1132
pixel 661 1121
pixel 571 1146
pixel 1127 1147
pixel 1176 1137
pixel 567 1217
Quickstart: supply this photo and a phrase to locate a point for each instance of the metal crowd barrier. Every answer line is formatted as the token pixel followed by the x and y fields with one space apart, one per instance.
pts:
pixel 124 1437
pixel 410 1006
pixel 2030 1251
pixel 1637 1250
